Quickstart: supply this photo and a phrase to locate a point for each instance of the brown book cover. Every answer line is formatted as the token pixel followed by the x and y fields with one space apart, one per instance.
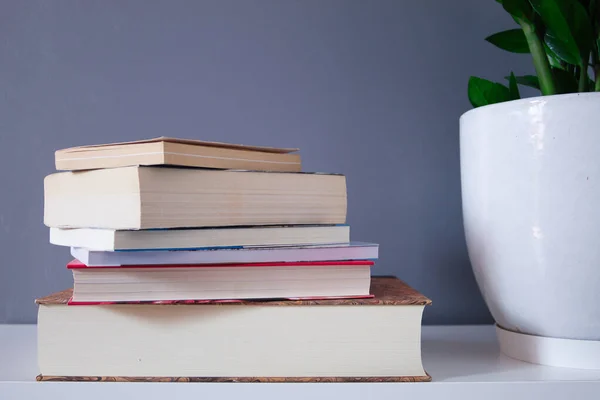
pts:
pixel 387 291
pixel 178 152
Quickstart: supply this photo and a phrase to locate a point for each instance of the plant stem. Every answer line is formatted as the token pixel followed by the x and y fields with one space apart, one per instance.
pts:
pixel 583 78
pixel 594 55
pixel 595 67
pixel 540 59
pixel 593 12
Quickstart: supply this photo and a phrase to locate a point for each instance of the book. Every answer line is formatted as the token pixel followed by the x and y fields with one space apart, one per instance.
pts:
pixel 246 236
pixel 372 339
pixel 178 152
pixel 165 197
pixel 220 282
pixel 321 252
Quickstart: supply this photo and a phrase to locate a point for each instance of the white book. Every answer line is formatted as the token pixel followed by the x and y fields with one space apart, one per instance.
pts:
pixel 329 252
pixel 111 239
pixel 163 197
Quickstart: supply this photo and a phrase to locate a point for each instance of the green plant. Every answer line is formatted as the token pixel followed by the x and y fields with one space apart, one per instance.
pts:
pixel 563 38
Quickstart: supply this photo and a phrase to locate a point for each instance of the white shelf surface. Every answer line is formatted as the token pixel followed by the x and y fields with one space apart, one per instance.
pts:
pixel 464 362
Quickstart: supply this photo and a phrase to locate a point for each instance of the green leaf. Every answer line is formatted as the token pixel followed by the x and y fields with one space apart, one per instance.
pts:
pixel 483 92
pixel 513 88
pixel 565 82
pixel 561 49
pixel 519 9
pixel 553 59
pixel 581 26
pixel 568 26
pixel 512 40
pixel 531 81
pixel 553 17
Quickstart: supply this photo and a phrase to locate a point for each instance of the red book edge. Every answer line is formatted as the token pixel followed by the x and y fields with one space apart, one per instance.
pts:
pixel 76 264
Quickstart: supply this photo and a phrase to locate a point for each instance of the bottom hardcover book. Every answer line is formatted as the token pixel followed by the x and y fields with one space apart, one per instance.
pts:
pixel 309 379
pixel 374 339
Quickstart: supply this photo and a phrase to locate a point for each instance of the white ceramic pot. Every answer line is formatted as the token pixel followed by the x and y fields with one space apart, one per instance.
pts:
pixel 530 173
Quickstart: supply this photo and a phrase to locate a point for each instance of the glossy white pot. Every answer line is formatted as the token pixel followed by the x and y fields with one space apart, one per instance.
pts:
pixel 530 172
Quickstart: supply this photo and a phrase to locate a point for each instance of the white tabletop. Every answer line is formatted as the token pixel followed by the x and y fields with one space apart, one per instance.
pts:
pixel 463 361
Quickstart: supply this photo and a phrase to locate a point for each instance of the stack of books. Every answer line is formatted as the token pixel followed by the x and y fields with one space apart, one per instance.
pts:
pixel 204 261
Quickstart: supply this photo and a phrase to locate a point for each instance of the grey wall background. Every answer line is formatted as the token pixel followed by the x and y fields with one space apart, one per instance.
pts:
pixel 371 89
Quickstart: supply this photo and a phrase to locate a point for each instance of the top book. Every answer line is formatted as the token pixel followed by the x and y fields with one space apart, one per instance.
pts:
pixel 178 152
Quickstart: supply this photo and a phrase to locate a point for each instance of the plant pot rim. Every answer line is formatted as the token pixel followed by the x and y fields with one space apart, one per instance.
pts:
pixel 526 102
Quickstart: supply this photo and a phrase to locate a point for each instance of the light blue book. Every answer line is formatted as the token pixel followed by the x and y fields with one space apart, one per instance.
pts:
pixel 231 255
